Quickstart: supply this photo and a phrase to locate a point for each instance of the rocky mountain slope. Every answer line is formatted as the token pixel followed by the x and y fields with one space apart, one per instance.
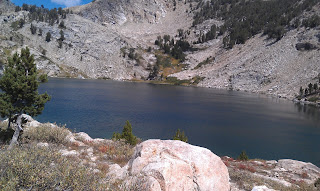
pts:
pixel 116 40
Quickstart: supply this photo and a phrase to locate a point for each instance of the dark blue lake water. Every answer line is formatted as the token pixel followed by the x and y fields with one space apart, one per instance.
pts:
pixel 226 122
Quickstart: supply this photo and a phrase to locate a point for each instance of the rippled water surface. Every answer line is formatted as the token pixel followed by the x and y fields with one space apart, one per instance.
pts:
pixel 225 122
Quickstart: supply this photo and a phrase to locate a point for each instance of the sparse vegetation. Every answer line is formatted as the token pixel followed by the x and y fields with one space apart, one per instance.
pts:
pixel 246 180
pixel 207 61
pixel 310 93
pixel 244 19
pixel 46 133
pixel 42 14
pixel 40 168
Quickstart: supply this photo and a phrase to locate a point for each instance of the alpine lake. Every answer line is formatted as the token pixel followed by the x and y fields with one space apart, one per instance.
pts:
pixel 226 122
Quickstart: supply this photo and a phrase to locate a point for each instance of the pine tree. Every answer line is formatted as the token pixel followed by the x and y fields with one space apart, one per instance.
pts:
pixel 48 37
pixel 33 29
pixel 127 134
pixel 19 86
pixel 243 156
pixel 315 87
pixel 310 86
pixel 61 35
pixel 301 91
pixel 180 136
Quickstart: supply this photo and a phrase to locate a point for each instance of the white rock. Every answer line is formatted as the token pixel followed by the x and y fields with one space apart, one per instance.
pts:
pixel 116 172
pixel 299 167
pixel 70 138
pixel 42 144
pixel 83 136
pixel 177 166
pixel 69 153
pixel 262 188
pixel 34 124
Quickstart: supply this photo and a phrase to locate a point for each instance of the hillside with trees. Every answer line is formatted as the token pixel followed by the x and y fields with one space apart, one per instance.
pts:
pixel 262 46
pixel 244 19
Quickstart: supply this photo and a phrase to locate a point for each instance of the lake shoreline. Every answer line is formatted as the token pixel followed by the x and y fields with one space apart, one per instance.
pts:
pixel 279 174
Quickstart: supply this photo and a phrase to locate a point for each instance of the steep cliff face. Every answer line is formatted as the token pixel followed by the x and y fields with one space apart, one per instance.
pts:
pixel 122 11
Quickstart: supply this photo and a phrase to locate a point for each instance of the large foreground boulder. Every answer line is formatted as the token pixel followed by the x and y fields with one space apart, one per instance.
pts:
pixel 174 165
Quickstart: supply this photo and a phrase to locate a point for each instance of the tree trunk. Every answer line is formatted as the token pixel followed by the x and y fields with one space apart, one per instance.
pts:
pixel 9 123
pixel 18 129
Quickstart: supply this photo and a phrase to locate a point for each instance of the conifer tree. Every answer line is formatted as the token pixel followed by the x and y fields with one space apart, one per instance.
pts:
pixel 243 156
pixel 127 134
pixel 310 86
pixel 19 86
pixel 180 136
pixel 48 37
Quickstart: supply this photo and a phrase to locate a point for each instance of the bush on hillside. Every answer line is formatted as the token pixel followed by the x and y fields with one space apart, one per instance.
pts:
pixel 46 133
pixel 34 168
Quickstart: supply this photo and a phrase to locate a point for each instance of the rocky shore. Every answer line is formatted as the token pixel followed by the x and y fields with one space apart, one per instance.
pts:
pixel 170 165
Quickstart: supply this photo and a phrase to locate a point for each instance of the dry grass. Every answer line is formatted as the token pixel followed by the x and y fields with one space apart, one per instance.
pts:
pixel 33 168
pixel 246 180
pixel 116 151
pixel 46 133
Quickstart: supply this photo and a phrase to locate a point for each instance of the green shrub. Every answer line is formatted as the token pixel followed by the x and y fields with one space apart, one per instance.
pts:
pixel 243 156
pixel 180 136
pixel 34 168
pixel 46 133
pixel 126 134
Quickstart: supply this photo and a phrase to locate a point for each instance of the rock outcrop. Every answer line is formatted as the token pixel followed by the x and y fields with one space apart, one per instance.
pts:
pixel 175 165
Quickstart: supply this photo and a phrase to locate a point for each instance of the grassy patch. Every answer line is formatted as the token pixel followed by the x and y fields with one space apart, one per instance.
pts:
pixel 34 168
pixel 313 99
pixel 46 133
pixel 7 52
pixel 168 64
pixel 175 81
